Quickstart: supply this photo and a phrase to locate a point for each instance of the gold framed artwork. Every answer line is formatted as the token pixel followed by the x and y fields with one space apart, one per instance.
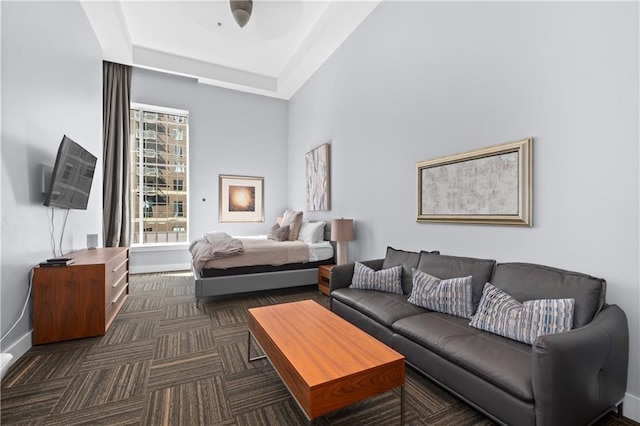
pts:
pixel 492 185
pixel 318 194
pixel 241 198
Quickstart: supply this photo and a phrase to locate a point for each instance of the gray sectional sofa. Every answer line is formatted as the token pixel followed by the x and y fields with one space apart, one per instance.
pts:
pixel 570 378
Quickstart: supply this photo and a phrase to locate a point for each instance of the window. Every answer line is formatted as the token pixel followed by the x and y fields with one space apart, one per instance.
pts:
pixel 177 209
pixel 179 167
pixel 159 174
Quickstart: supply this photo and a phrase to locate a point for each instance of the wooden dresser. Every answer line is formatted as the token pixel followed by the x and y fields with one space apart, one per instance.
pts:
pixel 81 299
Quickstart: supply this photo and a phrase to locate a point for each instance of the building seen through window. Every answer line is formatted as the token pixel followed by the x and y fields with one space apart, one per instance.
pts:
pixel 159 181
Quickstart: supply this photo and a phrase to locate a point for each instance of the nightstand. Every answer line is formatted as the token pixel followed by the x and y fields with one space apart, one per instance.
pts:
pixel 324 277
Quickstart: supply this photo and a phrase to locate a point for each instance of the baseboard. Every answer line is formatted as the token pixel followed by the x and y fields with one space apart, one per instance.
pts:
pixel 631 408
pixel 5 362
pixel 148 269
pixel 16 350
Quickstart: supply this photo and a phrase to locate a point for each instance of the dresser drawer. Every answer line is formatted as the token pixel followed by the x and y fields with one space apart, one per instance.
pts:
pixel 117 276
pixel 114 286
pixel 116 266
pixel 114 303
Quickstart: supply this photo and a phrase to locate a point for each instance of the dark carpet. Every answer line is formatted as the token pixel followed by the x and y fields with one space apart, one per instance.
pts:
pixel 164 361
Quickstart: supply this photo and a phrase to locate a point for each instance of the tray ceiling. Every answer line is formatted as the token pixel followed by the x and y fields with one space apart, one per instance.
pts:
pixel 283 44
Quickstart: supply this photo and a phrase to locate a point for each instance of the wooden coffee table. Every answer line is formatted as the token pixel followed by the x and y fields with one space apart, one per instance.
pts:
pixel 326 362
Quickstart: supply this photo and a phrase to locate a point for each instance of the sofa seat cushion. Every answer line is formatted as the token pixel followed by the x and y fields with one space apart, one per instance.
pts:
pixel 386 308
pixel 503 362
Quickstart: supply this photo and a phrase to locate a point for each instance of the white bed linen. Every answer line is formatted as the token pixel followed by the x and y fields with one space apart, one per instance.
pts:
pixel 320 251
pixel 317 251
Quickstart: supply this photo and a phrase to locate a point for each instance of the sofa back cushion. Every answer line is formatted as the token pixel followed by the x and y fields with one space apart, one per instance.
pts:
pixel 446 267
pixel 525 281
pixel 407 259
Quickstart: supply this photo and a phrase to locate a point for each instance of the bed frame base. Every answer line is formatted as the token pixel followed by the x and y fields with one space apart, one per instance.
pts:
pixel 234 284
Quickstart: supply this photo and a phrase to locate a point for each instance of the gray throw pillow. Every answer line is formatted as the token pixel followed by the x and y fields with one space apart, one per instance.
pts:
pixel 452 296
pixel 501 314
pixel 445 267
pixel 278 233
pixel 386 280
pixel 294 220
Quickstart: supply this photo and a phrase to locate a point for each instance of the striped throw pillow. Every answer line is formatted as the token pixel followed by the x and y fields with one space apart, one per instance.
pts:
pixel 453 296
pixel 501 314
pixel 387 280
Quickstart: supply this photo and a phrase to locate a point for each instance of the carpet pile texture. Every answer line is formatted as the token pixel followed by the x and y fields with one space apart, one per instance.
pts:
pixel 166 360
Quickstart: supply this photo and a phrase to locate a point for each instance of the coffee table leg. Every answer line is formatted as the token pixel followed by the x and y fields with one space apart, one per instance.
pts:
pixel 402 405
pixel 249 349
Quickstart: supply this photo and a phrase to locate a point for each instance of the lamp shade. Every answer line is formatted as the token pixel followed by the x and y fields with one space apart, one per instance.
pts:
pixel 341 229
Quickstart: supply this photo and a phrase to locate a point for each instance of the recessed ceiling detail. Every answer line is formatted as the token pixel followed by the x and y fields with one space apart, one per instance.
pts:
pixel 280 47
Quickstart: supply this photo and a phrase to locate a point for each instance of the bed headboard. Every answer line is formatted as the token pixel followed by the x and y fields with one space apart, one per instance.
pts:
pixel 327 230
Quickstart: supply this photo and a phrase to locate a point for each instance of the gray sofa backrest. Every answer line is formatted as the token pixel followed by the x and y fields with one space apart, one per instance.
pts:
pixel 445 267
pixel 408 260
pixel 525 281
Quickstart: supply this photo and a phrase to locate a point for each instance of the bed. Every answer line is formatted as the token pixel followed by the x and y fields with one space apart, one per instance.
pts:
pixel 273 269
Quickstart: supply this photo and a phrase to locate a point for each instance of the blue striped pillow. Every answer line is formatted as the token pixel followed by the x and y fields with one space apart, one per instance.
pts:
pixel 387 280
pixel 453 296
pixel 501 314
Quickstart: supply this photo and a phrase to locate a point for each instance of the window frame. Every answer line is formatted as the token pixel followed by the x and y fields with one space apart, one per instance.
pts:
pixel 137 227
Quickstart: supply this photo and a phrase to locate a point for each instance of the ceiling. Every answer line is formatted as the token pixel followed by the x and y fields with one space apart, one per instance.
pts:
pixel 283 44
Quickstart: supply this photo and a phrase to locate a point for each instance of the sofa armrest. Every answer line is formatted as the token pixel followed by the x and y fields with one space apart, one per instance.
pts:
pixel 581 374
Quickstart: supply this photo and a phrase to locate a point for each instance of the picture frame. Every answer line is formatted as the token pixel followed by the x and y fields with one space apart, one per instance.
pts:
pixel 491 185
pixel 318 179
pixel 241 198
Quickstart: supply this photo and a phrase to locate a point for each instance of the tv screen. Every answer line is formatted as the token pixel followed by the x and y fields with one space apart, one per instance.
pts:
pixel 72 176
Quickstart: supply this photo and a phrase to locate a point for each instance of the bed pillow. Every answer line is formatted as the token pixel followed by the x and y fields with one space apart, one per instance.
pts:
pixel 386 280
pixel 501 314
pixel 453 296
pixel 294 220
pixel 311 232
pixel 278 233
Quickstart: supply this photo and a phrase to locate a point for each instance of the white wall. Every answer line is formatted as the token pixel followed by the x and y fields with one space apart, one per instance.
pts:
pixel 422 80
pixel 51 85
pixel 231 133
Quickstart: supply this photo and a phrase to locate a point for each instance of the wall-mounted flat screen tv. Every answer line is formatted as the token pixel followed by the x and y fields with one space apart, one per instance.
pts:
pixel 72 176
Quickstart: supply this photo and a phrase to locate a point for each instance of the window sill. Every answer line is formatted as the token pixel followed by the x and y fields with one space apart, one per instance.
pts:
pixel 140 248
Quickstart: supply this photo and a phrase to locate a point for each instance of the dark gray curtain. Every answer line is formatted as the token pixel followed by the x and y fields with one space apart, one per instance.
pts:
pixel 116 205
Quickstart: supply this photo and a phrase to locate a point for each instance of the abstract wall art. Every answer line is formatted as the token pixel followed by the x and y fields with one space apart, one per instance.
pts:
pixel 318 191
pixel 492 185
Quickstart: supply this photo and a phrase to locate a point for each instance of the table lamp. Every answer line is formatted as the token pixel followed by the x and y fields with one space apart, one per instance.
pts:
pixel 342 233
